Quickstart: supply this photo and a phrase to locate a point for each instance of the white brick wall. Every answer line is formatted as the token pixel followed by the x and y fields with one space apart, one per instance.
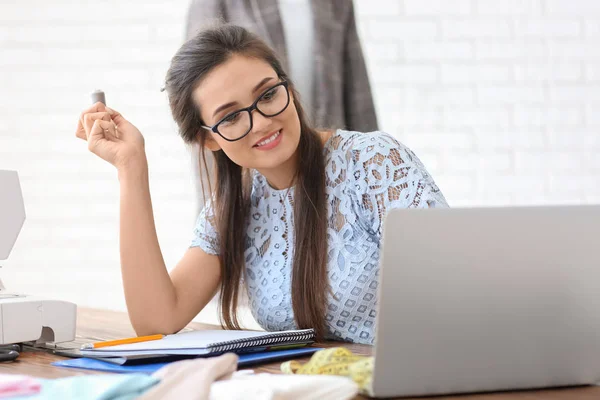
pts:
pixel 499 98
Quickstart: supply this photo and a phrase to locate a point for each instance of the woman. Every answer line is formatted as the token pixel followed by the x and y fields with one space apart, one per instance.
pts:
pixel 297 213
pixel 317 42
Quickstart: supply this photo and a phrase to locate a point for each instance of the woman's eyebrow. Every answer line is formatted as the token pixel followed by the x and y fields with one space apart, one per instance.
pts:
pixel 233 103
pixel 267 79
pixel 224 106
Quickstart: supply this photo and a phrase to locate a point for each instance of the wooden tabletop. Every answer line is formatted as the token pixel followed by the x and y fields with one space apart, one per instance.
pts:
pixel 93 325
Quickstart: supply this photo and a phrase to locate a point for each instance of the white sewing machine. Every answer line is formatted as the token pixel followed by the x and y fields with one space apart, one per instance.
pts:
pixel 25 318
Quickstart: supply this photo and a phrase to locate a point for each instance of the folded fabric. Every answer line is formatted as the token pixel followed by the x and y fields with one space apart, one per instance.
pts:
pixel 95 387
pixel 191 379
pixel 336 361
pixel 18 385
pixel 247 385
pixel 215 379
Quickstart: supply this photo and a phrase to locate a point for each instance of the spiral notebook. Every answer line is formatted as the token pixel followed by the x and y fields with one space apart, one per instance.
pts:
pixel 205 343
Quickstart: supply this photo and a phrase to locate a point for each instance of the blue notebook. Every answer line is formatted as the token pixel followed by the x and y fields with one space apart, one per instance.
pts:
pixel 245 360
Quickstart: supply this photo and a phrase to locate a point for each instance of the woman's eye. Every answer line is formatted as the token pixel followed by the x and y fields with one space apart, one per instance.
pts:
pixel 270 94
pixel 231 118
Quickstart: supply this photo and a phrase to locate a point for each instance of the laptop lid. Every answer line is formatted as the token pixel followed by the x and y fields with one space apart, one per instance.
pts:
pixel 487 299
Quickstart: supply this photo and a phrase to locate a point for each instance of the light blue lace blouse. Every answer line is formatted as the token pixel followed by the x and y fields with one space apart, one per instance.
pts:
pixel 366 175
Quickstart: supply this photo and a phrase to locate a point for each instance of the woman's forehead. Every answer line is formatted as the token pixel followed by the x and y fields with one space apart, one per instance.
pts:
pixel 233 80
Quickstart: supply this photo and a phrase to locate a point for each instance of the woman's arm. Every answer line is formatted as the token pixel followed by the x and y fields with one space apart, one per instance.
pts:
pixel 157 302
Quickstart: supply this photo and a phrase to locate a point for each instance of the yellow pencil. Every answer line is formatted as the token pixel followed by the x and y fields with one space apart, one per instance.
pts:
pixel 138 339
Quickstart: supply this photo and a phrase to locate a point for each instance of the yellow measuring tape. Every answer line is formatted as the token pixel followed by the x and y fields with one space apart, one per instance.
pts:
pixel 336 361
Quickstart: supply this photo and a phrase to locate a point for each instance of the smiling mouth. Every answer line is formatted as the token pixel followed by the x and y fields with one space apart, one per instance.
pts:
pixel 268 140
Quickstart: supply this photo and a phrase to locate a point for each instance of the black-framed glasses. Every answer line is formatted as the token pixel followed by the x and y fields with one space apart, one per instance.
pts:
pixel 238 124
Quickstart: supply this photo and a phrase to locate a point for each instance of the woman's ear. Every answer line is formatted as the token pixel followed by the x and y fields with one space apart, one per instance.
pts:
pixel 210 143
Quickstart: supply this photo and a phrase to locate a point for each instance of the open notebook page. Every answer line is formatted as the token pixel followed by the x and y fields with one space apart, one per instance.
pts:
pixel 200 339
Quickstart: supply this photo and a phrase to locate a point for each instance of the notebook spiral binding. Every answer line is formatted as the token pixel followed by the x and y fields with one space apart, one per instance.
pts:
pixel 300 336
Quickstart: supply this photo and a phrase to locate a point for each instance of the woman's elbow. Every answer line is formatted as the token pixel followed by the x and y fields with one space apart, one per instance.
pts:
pixel 144 327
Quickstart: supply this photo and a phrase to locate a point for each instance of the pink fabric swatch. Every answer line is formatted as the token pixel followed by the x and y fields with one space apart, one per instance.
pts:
pixel 18 385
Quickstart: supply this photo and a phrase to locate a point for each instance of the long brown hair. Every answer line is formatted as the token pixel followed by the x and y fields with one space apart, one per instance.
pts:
pixel 197 57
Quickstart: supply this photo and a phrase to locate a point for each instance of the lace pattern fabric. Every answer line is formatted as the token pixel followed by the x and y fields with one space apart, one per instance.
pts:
pixel 367 174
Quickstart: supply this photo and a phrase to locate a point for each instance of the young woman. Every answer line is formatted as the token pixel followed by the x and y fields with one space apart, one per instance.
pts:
pixel 296 214
pixel 318 45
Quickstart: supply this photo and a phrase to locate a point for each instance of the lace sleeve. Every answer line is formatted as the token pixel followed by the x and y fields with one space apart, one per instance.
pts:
pixel 205 233
pixel 388 175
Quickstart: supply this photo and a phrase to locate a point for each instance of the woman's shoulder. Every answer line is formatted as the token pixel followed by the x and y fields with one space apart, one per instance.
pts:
pixel 366 145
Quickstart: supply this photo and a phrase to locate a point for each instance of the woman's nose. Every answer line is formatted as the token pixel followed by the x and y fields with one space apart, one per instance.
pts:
pixel 259 121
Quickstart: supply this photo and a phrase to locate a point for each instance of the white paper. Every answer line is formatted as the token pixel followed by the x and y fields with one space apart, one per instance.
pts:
pixel 195 340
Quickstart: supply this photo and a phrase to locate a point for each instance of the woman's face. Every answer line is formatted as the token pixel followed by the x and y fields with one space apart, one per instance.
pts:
pixel 237 84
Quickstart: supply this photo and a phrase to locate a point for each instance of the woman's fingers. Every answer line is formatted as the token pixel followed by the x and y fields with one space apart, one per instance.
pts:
pixel 97 111
pixel 90 118
pixel 80 131
pixel 88 123
pixel 100 131
pixel 115 116
pixel 109 135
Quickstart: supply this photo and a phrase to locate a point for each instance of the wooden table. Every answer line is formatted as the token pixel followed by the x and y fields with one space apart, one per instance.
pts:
pixel 93 324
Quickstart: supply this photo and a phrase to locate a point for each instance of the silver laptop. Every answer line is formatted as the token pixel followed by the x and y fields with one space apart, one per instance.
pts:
pixel 488 299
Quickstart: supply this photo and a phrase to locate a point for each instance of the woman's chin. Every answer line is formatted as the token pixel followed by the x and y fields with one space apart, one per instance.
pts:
pixel 276 159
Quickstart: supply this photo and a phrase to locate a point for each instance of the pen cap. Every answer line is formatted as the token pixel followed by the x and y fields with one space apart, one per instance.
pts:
pixel 98 96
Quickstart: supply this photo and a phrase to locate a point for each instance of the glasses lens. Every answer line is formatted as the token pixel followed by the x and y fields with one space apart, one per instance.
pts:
pixel 235 125
pixel 273 101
